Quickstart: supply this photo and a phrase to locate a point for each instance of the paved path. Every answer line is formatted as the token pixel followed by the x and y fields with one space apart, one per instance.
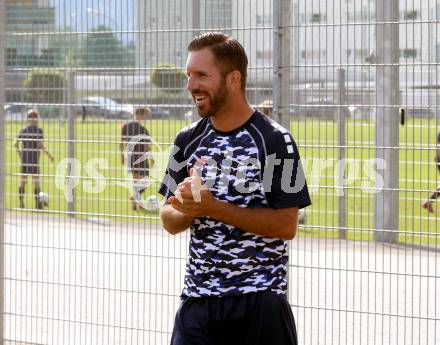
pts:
pixel 86 282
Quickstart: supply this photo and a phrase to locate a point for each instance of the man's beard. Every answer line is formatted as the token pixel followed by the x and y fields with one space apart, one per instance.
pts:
pixel 217 101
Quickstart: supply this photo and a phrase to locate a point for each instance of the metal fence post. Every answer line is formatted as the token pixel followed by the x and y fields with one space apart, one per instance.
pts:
pixel 342 198
pixel 71 170
pixel 386 200
pixel 196 17
pixel 2 162
pixel 296 62
pixel 281 61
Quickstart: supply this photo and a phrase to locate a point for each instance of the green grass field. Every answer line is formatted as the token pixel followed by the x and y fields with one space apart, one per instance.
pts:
pixel 104 192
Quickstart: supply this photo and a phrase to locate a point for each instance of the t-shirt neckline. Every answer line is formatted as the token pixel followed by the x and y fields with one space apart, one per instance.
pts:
pixel 233 131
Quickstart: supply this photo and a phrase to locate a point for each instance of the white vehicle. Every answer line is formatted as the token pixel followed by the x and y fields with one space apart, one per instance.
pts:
pixel 15 112
pixel 98 106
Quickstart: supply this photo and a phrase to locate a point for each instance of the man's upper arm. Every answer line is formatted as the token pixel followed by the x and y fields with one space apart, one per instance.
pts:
pixel 20 136
pixel 124 133
pixel 18 139
pixel 147 141
pixel 40 138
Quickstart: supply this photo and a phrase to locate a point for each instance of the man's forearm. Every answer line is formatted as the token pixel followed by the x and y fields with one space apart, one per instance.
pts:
pixel 174 221
pixel 268 222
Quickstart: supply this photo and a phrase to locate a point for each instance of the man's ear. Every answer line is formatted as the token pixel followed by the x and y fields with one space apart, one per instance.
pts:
pixel 234 80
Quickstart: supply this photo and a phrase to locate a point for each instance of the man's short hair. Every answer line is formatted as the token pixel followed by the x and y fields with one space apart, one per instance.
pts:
pixel 228 52
pixel 142 111
pixel 32 113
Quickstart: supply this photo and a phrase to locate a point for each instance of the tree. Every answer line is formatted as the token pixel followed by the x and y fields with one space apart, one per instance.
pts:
pixel 169 77
pixel 101 48
pixel 45 86
pixel 65 45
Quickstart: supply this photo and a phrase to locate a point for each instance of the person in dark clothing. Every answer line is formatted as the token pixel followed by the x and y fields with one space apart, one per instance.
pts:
pixel 427 204
pixel 83 113
pixel 29 145
pixel 235 179
pixel 135 148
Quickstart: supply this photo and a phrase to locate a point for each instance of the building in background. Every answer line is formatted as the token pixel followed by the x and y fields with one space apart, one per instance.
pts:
pixel 24 16
pixel 325 33
pixel 167 26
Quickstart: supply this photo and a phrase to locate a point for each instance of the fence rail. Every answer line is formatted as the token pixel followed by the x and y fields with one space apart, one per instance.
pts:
pixel 356 82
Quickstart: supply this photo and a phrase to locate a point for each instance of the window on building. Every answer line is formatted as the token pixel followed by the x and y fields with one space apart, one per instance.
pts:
pixel 408 53
pixel 410 15
pixel 438 53
pixel 361 53
pixel 263 20
pixel 317 18
pixel 313 54
pixel 11 53
pixel 362 16
pixel 264 54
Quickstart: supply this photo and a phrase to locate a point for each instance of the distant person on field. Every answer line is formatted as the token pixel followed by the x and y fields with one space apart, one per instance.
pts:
pixel 135 148
pixel 434 196
pixel 83 113
pixel 266 107
pixel 29 144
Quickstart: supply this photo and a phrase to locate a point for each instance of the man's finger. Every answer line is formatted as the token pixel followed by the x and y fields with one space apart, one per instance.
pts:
pixel 178 196
pixel 196 188
pixel 193 172
pixel 184 189
pixel 186 194
pixel 184 186
pixel 180 208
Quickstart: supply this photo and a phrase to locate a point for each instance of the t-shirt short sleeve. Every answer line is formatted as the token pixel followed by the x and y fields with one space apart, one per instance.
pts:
pixel 31 135
pixel 176 170
pixel 124 131
pixel 147 134
pixel 284 178
pixel 133 129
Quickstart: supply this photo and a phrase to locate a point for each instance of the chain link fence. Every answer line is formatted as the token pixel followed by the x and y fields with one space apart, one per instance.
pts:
pixel 356 82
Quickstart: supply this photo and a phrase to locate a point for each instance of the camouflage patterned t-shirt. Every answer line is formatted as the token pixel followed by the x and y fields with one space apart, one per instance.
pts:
pixel 255 166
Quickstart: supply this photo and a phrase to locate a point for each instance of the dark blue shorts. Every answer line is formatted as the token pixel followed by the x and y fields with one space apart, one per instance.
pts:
pixel 30 168
pixel 262 318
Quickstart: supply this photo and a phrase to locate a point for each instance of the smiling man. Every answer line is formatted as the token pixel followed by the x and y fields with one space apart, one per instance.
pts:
pixel 235 179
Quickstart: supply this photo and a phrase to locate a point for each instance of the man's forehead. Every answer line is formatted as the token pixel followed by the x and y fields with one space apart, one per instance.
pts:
pixel 200 59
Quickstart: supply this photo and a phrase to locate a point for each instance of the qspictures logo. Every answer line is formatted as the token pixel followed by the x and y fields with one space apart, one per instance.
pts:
pixel 342 174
